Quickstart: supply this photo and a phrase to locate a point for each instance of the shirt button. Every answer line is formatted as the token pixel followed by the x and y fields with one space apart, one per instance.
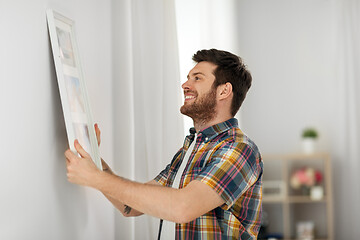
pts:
pixel 206 138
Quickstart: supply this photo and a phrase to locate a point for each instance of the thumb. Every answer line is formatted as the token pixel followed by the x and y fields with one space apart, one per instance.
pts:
pixel 80 149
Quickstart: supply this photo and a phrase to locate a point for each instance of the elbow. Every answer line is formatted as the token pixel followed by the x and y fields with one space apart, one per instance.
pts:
pixel 185 208
pixel 185 218
pixel 183 214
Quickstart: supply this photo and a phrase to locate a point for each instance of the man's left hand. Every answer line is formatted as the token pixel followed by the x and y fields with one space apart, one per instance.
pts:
pixel 80 170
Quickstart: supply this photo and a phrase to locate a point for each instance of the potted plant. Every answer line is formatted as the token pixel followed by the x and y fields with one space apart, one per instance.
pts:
pixel 309 137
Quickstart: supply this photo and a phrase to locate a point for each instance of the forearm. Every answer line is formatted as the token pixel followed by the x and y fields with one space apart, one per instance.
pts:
pixel 124 209
pixel 154 200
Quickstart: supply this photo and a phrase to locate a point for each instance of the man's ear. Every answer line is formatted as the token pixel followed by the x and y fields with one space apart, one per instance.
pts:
pixel 224 91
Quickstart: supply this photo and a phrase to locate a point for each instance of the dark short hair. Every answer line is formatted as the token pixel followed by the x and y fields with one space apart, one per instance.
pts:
pixel 230 68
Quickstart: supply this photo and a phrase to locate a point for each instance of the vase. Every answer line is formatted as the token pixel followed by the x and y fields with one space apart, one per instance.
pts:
pixel 309 145
pixel 316 192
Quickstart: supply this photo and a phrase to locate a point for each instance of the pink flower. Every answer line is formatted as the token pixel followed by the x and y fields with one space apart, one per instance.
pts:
pixel 305 176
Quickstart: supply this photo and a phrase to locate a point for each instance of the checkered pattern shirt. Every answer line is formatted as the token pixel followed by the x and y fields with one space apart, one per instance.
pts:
pixel 225 159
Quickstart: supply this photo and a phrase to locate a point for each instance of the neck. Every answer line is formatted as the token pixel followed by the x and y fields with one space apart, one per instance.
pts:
pixel 200 125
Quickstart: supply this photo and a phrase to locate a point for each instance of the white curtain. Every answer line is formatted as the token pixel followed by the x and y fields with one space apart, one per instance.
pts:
pixel 147 98
pixel 347 194
pixel 204 24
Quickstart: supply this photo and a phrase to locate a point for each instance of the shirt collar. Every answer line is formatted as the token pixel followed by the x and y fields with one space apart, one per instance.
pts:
pixel 216 129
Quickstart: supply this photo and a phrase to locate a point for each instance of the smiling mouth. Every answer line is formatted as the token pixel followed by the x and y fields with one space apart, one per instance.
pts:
pixel 189 98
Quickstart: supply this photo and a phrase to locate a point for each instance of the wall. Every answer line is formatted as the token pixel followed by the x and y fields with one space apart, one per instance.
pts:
pixel 37 202
pixel 291 50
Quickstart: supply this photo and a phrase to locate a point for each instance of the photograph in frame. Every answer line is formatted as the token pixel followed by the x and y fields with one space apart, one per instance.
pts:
pixel 65 47
pixel 72 87
pixel 74 94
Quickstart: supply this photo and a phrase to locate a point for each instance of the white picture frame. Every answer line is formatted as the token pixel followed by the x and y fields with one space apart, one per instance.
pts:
pixel 72 87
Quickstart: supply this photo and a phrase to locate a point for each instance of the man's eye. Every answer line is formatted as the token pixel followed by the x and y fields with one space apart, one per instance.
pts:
pixel 197 78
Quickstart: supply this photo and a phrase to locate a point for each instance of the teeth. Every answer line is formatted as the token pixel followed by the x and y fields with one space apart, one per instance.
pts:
pixel 189 97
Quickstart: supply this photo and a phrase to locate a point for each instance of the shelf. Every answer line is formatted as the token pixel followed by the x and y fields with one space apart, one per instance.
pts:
pixel 292 199
pixel 285 206
pixel 303 199
pixel 295 156
pixel 270 199
pixel 312 239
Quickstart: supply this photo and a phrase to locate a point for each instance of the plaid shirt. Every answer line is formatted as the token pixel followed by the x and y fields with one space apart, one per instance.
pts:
pixel 230 163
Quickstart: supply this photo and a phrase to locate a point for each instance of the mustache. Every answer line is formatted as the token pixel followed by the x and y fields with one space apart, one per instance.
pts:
pixel 190 91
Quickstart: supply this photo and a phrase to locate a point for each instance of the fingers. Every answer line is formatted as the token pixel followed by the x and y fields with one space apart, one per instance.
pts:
pixel 69 156
pixel 79 168
pixel 97 131
pixel 70 159
pixel 67 164
pixel 80 149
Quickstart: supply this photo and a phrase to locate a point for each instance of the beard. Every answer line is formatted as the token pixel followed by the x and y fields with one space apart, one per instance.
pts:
pixel 202 110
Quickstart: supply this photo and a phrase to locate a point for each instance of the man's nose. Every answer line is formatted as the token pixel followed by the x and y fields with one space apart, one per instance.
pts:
pixel 185 85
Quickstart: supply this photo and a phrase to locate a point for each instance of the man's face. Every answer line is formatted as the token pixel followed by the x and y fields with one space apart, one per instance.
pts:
pixel 200 96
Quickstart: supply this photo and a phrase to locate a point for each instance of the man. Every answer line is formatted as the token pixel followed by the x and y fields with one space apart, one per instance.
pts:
pixel 212 187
